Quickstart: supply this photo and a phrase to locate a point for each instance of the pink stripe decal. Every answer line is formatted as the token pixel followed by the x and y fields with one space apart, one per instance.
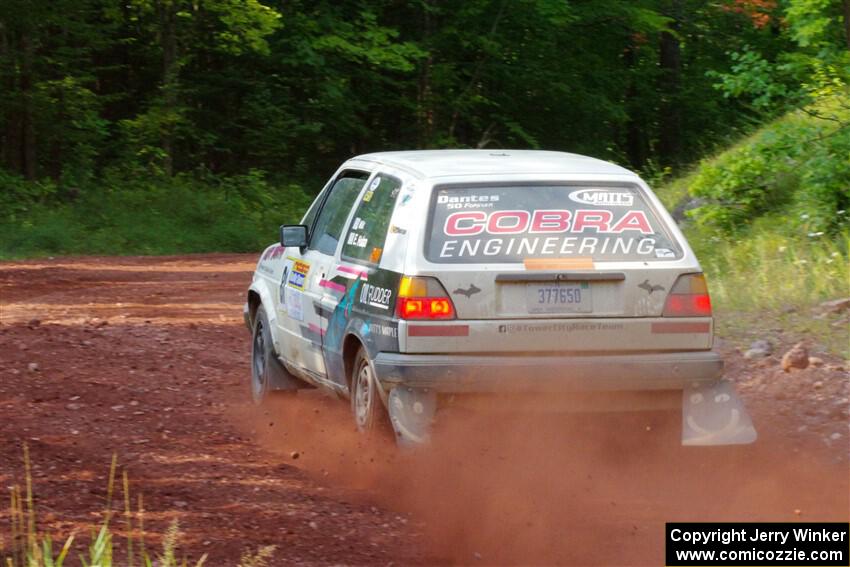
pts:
pixel 355 271
pixel 331 285
pixel 681 327
pixel 316 329
pixel 438 330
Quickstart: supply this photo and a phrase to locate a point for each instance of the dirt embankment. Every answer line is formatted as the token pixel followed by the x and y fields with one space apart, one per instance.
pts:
pixel 148 358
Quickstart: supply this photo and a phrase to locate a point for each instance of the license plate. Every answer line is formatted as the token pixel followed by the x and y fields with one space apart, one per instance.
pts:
pixel 558 297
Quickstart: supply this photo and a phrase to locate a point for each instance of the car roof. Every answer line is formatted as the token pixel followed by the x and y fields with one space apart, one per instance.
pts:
pixel 442 163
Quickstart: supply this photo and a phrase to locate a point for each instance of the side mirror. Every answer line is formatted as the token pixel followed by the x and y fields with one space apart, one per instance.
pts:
pixel 293 235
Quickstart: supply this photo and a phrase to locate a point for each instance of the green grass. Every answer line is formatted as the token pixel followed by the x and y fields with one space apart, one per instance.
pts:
pixel 153 216
pixel 766 270
pixel 28 547
pixel 773 230
pixel 769 281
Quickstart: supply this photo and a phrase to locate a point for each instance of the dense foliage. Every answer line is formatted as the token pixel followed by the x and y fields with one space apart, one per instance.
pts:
pixel 799 163
pixel 771 214
pixel 105 104
pixel 292 88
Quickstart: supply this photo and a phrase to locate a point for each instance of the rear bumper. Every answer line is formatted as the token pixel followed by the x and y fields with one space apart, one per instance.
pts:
pixel 452 373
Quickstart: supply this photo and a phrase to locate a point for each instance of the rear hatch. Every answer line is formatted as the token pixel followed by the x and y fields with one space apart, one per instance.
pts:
pixel 518 260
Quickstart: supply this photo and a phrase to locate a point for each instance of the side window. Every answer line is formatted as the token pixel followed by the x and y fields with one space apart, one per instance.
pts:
pixel 329 225
pixel 368 231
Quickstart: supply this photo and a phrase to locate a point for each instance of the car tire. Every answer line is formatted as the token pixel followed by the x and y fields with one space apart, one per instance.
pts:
pixel 262 351
pixel 370 416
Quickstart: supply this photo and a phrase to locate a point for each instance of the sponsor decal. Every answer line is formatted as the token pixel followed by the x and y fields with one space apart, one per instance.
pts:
pixel 535 246
pixel 298 276
pixel 295 304
pixel 468 201
pixel 358 240
pixel 354 238
pixel 447 199
pixel 383 330
pixel 650 288
pixel 352 273
pixel 469 292
pixel 664 253
pixel 603 197
pixel 375 296
pixel 558 327
pixel 543 221
pixel 397 230
pixel 338 317
pixel 327 284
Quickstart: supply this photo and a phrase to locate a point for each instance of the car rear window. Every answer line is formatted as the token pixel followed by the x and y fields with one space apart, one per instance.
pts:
pixel 500 224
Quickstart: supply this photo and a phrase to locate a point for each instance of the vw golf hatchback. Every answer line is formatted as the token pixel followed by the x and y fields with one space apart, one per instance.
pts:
pixel 422 275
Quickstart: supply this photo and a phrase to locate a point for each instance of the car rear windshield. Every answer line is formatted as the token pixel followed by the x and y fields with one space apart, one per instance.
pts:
pixel 480 224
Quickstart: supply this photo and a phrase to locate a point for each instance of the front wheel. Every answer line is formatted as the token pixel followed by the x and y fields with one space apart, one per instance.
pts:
pixel 261 352
pixel 369 414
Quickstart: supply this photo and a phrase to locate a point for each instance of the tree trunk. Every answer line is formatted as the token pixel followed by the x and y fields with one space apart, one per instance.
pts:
pixel 670 117
pixel 425 110
pixel 170 72
pixel 29 168
pixel 635 137
pixel 479 67
pixel 7 84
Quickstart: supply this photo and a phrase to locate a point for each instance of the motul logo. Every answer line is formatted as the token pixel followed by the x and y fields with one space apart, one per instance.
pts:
pixel 545 221
pixel 603 198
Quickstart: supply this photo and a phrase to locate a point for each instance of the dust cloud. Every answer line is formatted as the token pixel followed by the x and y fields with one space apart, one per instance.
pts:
pixel 528 487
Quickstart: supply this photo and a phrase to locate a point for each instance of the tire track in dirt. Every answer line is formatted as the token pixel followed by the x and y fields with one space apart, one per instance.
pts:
pixel 144 357
pixel 148 357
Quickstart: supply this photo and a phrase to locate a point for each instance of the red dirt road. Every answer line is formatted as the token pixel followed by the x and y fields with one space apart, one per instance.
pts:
pixel 148 358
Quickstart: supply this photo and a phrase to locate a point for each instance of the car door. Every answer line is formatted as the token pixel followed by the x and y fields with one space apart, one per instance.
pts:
pixel 365 277
pixel 296 347
pixel 306 274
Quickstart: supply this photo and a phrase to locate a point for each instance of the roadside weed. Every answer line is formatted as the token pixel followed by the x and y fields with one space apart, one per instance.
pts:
pixel 28 547
pixel 771 271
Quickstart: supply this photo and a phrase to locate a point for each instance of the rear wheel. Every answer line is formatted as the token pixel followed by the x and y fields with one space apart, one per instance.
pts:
pixel 369 414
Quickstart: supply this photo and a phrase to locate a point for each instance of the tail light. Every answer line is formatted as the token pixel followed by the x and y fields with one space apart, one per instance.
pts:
pixel 688 298
pixel 423 298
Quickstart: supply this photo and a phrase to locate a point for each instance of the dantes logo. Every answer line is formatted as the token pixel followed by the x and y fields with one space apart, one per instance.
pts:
pixel 545 221
pixel 603 198
pixel 446 199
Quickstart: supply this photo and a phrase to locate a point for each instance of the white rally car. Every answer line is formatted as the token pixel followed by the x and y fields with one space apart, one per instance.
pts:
pixel 419 275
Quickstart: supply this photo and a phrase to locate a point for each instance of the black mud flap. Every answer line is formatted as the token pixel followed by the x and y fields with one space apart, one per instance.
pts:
pixel 411 414
pixel 281 380
pixel 715 415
